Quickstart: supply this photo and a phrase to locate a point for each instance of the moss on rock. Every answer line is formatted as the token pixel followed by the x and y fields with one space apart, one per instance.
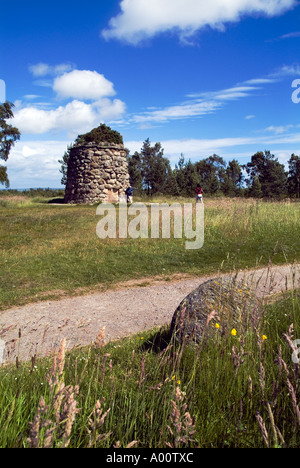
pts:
pixel 220 301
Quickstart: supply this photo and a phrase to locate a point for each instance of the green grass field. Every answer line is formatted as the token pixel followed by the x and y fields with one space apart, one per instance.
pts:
pixel 47 250
pixel 235 390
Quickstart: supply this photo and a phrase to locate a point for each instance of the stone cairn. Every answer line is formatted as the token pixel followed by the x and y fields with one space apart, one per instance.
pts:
pixel 97 172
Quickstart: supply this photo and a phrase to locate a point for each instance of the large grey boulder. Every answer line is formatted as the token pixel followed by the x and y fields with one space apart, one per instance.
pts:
pixel 221 302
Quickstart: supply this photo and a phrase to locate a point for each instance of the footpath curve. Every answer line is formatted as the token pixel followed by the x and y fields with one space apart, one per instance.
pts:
pixel 123 310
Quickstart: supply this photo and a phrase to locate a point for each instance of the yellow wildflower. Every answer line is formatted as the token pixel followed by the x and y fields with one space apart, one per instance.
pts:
pixel 264 337
pixel 217 326
pixel 233 332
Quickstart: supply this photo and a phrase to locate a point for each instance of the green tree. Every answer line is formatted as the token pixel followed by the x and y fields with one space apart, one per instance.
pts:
pixel 148 155
pixel 171 187
pixel 270 172
pixel 8 136
pixel 191 178
pixel 255 190
pixel 3 176
pixel 294 176
pixel 180 176
pixel 233 179
pixel 211 173
pixel 135 171
pixel 64 165
pixel 160 173
pixel 186 177
pixel 155 168
pixel 227 186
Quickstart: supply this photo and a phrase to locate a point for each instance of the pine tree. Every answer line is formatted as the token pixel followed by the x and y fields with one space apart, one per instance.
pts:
pixel 270 172
pixel 255 190
pixel 8 136
pixel 171 187
pixel 64 165
pixel 211 173
pixel 294 176
pixel 135 172
pixel 155 168
pixel 180 176
pixel 235 176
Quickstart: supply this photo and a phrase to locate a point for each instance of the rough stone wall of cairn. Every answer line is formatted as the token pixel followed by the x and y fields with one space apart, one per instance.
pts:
pixel 97 173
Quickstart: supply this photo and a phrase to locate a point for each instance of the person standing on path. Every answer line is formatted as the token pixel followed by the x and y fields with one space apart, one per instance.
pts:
pixel 199 194
pixel 129 194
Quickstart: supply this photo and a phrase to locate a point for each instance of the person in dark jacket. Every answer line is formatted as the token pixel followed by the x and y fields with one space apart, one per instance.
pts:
pixel 129 194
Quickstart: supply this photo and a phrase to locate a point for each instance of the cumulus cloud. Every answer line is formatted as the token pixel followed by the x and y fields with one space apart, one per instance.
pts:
pixel 83 84
pixel 75 117
pixel 35 164
pixel 140 19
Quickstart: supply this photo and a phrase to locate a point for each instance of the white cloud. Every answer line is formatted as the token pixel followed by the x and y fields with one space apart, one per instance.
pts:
pixel 43 69
pixel 35 164
pixel 31 97
pixel 108 110
pixel 28 151
pixel 287 70
pixel 33 120
pixel 76 117
pixel 257 81
pixel 83 84
pixel 181 111
pixel 278 129
pixel 290 35
pixel 197 105
pixel 140 19
pixel 229 148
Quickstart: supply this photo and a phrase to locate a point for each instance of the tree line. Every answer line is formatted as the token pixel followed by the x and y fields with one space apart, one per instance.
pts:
pixel 264 176
pixel 151 172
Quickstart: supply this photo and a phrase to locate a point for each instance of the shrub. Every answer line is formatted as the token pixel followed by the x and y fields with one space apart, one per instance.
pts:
pixel 100 134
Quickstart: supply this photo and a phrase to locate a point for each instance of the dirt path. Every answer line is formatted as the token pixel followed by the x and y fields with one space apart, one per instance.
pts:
pixel 124 310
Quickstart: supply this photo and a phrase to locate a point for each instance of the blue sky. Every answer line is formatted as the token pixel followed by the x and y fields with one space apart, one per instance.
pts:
pixel 200 77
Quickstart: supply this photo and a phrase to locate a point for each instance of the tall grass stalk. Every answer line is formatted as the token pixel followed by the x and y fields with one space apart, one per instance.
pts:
pixel 232 390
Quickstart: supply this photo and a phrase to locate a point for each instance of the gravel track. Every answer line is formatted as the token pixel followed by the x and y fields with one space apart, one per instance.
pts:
pixel 126 309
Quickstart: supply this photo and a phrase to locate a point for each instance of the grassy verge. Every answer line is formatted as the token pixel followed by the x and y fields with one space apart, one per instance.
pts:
pixel 48 250
pixel 235 390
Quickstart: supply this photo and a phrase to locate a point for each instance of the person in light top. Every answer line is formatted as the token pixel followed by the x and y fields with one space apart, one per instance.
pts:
pixel 199 194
